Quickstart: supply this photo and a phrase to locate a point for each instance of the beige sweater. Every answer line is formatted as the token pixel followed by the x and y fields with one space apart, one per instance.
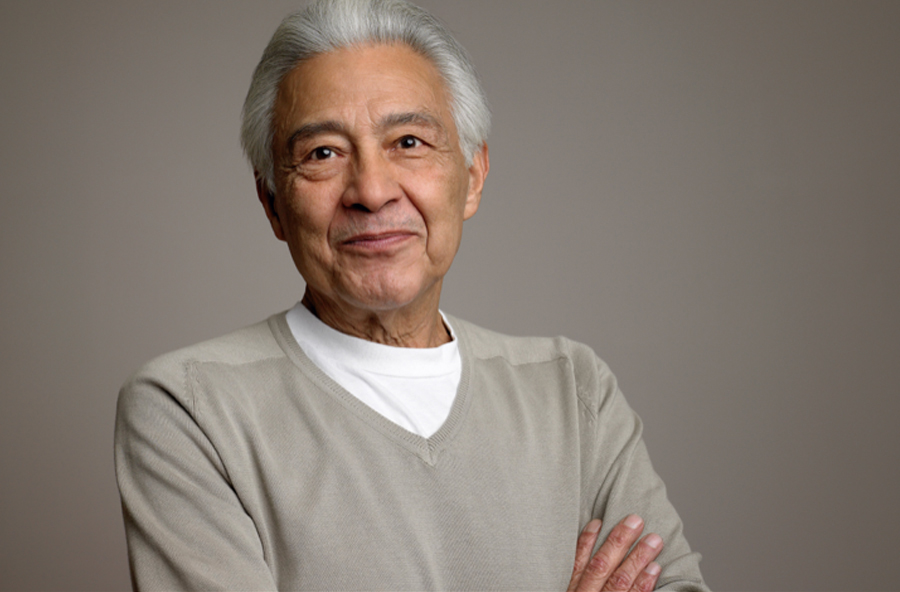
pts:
pixel 242 466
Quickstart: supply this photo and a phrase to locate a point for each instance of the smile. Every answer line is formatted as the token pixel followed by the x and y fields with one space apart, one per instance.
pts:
pixel 378 242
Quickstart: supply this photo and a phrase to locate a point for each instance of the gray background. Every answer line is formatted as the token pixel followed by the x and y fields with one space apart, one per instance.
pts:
pixel 707 193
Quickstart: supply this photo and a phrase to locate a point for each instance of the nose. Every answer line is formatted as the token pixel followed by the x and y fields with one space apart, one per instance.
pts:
pixel 372 184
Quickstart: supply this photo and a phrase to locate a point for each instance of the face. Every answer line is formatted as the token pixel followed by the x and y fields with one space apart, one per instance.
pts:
pixel 371 186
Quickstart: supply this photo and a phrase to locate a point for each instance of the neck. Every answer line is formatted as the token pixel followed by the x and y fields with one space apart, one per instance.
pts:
pixel 420 326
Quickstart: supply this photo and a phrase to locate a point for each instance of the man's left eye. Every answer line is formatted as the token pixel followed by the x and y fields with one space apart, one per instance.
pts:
pixel 409 142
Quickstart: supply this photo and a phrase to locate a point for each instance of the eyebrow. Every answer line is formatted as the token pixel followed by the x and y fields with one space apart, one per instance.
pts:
pixel 412 118
pixel 419 118
pixel 313 129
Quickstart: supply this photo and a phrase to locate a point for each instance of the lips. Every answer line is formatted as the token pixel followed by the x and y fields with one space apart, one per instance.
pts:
pixel 376 236
pixel 375 242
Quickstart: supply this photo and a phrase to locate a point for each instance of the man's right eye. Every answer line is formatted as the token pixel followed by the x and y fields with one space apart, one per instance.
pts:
pixel 321 153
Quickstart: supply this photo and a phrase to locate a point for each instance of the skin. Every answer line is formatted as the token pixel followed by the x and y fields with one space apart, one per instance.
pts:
pixel 612 567
pixel 371 190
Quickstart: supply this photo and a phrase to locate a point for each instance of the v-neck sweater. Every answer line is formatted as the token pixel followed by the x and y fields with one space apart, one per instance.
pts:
pixel 241 465
pixel 413 387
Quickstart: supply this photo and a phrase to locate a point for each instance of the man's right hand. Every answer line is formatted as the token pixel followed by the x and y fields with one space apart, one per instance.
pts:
pixel 612 567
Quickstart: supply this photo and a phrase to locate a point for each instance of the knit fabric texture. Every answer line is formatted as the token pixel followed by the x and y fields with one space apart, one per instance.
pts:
pixel 242 466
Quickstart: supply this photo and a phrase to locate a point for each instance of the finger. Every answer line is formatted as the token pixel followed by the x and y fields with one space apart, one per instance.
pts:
pixel 586 541
pixel 640 557
pixel 611 553
pixel 646 580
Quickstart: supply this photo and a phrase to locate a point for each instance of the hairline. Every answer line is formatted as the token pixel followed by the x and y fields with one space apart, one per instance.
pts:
pixel 303 35
pixel 327 125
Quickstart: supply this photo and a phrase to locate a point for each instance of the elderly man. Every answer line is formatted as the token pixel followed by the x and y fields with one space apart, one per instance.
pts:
pixel 364 440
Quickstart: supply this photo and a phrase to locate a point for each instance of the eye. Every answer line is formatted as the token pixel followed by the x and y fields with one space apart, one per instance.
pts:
pixel 407 142
pixel 321 153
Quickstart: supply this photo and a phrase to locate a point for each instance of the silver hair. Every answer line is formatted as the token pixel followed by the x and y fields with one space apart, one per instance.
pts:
pixel 327 25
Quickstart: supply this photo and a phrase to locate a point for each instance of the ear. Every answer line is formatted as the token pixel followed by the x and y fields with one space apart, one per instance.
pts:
pixel 481 164
pixel 267 199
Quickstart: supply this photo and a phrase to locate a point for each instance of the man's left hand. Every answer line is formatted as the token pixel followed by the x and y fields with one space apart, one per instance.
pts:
pixel 612 567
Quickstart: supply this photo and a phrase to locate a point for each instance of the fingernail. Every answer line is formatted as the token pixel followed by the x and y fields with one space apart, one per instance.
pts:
pixel 633 521
pixel 593 526
pixel 653 569
pixel 654 540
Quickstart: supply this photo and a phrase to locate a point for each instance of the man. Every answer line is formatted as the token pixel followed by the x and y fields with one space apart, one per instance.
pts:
pixel 363 439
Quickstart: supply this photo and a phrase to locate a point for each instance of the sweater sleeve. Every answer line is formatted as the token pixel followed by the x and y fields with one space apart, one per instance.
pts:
pixel 625 482
pixel 185 526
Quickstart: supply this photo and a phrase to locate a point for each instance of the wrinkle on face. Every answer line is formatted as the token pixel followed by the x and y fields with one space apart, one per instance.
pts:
pixel 368 156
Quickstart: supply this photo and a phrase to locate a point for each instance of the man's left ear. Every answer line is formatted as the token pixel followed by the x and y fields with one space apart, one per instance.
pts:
pixel 481 164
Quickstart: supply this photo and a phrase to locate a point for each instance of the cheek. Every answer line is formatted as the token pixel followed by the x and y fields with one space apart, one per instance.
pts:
pixel 447 207
pixel 310 208
pixel 306 231
pixel 444 221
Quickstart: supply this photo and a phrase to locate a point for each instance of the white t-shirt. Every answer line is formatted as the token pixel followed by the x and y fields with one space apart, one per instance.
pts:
pixel 413 387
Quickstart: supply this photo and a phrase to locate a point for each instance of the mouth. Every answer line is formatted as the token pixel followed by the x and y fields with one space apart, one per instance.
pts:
pixel 377 241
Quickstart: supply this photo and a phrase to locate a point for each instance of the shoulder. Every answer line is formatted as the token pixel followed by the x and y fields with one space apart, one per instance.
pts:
pixel 249 344
pixel 593 379
pixel 171 372
pixel 485 343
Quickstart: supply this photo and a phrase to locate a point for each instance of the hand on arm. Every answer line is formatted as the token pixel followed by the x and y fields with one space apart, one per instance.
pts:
pixel 612 567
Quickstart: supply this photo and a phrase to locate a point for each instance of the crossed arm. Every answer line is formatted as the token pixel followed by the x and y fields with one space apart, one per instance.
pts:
pixel 188 528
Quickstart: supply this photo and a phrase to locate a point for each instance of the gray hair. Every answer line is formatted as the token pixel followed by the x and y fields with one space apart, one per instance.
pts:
pixel 327 25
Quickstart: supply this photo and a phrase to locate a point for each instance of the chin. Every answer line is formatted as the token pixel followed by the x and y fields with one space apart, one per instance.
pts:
pixel 386 296
pixel 382 302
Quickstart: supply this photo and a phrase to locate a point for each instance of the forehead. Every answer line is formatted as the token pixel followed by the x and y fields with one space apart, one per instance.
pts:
pixel 368 81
